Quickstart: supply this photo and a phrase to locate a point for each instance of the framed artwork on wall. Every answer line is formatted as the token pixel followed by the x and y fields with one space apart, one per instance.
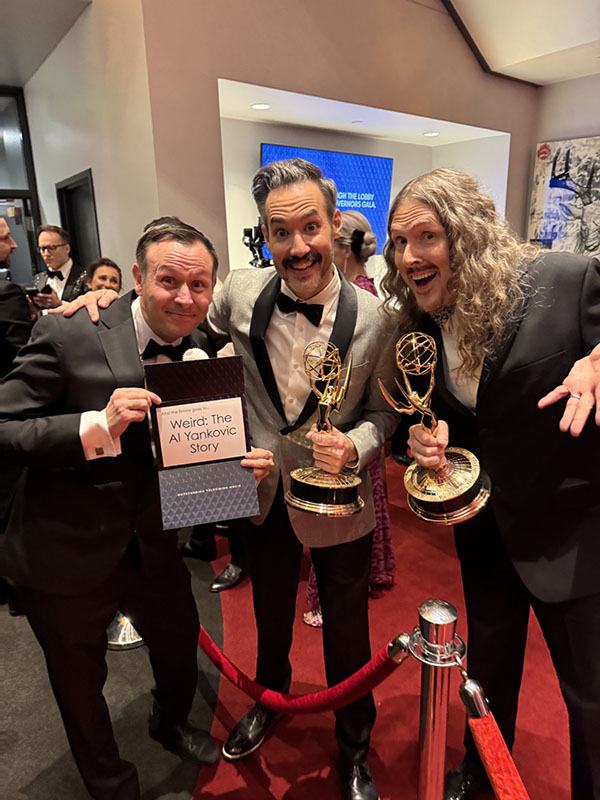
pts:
pixel 565 201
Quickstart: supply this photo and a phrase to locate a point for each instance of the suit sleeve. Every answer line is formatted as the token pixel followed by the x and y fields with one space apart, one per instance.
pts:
pixel 589 309
pixel 218 315
pixel 33 426
pixel 378 421
pixel 15 324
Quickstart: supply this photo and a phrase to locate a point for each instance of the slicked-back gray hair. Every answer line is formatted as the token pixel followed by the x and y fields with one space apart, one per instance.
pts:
pixel 286 173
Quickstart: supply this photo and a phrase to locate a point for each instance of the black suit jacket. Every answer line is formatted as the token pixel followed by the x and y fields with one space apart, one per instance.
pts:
pixel 545 484
pixel 72 519
pixel 15 324
pixel 75 285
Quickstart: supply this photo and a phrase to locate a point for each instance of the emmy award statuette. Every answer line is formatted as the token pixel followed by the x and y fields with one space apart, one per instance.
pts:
pixel 313 489
pixel 460 488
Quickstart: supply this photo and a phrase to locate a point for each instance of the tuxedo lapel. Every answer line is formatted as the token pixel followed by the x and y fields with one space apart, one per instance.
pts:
pixel 261 316
pixel 117 337
pixel 492 366
pixel 74 283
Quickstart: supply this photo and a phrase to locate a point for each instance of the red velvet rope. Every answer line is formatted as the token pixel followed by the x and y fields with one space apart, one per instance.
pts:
pixel 357 685
pixel 497 760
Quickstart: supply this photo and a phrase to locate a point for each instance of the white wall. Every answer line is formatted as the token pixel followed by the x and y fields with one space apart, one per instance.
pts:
pixel 486 159
pixel 569 110
pixel 88 105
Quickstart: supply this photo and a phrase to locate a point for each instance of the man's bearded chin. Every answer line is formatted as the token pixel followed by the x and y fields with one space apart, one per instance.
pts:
pixel 308 260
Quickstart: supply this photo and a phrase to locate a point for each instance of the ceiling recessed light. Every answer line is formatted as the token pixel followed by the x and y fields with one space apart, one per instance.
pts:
pixel 432 133
pixel 260 106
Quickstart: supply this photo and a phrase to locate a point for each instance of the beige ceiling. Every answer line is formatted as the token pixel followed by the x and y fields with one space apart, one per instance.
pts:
pixel 543 41
pixel 29 32
pixel 292 108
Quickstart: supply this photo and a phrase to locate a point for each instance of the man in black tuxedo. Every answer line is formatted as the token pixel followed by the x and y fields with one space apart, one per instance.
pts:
pixel 74 413
pixel 510 322
pixel 62 280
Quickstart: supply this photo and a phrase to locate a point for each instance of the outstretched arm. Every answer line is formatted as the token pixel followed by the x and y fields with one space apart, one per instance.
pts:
pixel 92 301
pixel 581 387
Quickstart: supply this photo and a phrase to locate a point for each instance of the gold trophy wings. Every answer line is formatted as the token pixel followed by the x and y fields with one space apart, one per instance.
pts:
pixel 460 488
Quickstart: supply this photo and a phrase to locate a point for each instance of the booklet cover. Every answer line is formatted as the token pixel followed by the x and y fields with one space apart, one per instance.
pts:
pixel 200 434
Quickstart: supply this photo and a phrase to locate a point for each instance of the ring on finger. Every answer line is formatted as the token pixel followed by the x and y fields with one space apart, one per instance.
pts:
pixel 575 395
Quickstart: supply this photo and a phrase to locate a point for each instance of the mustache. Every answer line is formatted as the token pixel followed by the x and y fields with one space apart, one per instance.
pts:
pixel 312 257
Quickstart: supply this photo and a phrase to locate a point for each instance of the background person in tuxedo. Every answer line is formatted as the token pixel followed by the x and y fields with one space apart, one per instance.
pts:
pixel 74 413
pixel 65 279
pixel 517 330
pixel 270 316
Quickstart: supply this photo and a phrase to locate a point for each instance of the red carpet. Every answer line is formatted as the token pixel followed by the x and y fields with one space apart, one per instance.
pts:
pixel 297 761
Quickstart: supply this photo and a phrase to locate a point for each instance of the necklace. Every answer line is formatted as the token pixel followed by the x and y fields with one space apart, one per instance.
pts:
pixel 441 315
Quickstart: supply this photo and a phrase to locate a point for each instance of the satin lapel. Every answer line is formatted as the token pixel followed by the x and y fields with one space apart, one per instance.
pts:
pixel 117 336
pixel 491 366
pixel 341 336
pixel 261 316
pixel 74 283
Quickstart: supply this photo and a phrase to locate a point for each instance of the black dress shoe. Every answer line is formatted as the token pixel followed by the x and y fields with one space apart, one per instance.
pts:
pixel 250 732
pixel 358 783
pixel 230 577
pixel 466 782
pixel 184 740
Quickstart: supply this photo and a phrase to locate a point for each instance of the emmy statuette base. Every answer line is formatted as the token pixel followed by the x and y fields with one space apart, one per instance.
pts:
pixel 321 493
pixel 451 495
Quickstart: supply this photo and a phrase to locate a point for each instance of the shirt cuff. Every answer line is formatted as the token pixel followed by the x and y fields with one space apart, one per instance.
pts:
pixel 95 436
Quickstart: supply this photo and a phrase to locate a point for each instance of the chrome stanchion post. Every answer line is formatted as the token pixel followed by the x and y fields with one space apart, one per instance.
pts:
pixel 436 645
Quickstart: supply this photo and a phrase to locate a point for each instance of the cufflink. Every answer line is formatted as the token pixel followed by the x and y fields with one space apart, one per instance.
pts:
pixel 99 451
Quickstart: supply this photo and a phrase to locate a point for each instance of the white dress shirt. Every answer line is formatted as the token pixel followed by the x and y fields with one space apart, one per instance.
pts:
pixel 56 283
pixel 286 339
pixel 464 389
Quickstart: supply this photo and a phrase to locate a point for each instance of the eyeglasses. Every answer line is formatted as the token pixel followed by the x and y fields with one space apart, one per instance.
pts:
pixel 50 248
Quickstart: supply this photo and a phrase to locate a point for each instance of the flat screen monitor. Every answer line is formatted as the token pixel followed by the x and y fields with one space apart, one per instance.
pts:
pixel 364 182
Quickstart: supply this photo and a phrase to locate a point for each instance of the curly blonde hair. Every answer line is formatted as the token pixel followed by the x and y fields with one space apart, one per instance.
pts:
pixel 486 261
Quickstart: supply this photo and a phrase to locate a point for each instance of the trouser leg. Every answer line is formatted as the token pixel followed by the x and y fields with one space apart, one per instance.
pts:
pixel 164 613
pixel 571 631
pixel 72 634
pixel 273 556
pixel 497 606
pixel 343 580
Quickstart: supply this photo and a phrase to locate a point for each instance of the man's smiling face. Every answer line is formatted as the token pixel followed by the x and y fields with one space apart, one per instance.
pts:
pixel 176 288
pixel 422 254
pixel 300 234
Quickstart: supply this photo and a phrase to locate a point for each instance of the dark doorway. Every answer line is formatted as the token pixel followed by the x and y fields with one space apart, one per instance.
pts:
pixel 77 207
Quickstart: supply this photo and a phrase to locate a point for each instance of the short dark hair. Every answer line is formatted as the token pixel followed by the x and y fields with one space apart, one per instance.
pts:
pixel 64 235
pixel 103 262
pixel 286 173
pixel 172 230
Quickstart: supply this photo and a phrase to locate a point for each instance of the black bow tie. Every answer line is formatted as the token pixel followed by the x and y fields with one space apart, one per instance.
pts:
pixel 173 351
pixel 58 274
pixel 312 311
